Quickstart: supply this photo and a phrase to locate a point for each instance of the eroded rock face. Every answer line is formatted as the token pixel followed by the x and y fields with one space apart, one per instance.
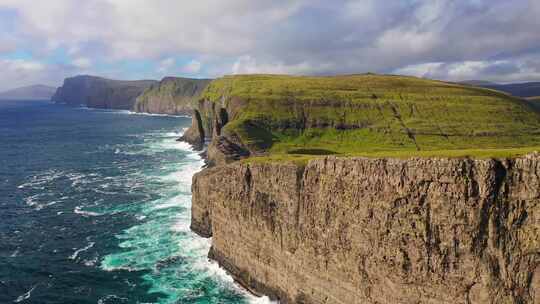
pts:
pixel 357 230
pixel 97 92
pixel 172 95
pixel 195 135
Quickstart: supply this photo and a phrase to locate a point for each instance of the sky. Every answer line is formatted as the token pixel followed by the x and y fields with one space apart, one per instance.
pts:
pixel 45 41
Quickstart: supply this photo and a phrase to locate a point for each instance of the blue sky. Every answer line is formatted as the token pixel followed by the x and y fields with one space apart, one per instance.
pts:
pixel 46 41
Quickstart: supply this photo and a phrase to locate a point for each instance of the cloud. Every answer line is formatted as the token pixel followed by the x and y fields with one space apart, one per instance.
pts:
pixel 82 63
pixel 481 38
pixel 192 67
pixel 20 72
pixel 165 65
pixel 503 71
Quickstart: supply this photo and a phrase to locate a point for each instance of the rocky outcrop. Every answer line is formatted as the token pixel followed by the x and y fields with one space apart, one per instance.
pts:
pixel 173 95
pixel 359 230
pixel 195 134
pixel 97 92
pixel 208 124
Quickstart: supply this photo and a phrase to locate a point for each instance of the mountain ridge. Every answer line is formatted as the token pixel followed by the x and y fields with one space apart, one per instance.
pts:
pixel 31 92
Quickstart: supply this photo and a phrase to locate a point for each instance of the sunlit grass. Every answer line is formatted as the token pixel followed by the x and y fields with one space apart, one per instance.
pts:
pixel 373 115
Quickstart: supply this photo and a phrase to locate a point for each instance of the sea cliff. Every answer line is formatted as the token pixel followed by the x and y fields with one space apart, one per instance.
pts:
pixel 431 193
pixel 173 95
pixel 97 92
pixel 361 230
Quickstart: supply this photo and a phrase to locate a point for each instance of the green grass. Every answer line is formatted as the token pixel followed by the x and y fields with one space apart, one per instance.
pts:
pixel 295 117
pixel 176 91
pixel 303 159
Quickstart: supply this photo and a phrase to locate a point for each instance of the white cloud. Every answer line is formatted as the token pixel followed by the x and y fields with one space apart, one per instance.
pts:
pixel 282 36
pixel 20 72
pixel 249 65
pixel 139 28
pixel 165 65
pixel 82 63
pixel 192 67
pixel 497 70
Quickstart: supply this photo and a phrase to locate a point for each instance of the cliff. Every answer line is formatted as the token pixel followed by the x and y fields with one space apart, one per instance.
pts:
pixel 459 225
pixel 97 92
pixel 360 230
pixel 172 95
pixel 290 116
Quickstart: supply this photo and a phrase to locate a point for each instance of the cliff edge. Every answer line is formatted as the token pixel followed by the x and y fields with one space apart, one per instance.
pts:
pixel 360 230
pixel 370 189
pixel 173 95
pixel 97 92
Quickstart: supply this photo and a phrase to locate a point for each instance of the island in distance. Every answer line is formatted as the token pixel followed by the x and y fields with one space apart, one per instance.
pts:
pixel 33 92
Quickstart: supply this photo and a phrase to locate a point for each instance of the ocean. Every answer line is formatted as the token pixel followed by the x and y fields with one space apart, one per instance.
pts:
pixel 95 208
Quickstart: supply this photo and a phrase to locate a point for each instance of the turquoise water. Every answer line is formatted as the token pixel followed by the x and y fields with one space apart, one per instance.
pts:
pixel 96 209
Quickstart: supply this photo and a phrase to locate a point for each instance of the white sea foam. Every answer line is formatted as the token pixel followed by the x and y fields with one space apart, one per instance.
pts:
pixel 15 253
pixel 38 181
pixel 76 253
pixel 144 245
pixel 153 114
pixel 26 295
pixel 128 112
pixel 34 201
pixel 91 262
pixel 78 210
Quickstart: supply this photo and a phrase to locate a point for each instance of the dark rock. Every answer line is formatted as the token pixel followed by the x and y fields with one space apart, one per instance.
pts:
pixel 172 95
pixel 97 92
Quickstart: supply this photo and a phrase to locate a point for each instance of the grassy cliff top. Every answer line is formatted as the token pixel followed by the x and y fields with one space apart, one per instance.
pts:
pixel 180 90
pixel 297 116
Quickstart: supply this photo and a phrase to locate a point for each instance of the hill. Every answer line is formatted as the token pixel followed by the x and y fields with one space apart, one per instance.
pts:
pixel 97 92
pixel 173 95
pixel 295 117
pixel 34 92
pixel 527 89
pixel 478 83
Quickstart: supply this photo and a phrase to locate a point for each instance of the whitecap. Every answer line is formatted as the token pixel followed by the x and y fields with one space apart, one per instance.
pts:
pixel 33 201
pixel 26 295
pixel 91 262
pixel 158 115
pixel 78 210
pixel 76 253
pixel 15 253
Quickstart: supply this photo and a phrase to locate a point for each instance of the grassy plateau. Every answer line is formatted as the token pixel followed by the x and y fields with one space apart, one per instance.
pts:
pixel 298 118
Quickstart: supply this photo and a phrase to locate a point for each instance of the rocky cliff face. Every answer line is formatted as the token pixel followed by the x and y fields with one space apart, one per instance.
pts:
pixel 172 95
pixel 358 230
pixel 96 92
pixel 208 122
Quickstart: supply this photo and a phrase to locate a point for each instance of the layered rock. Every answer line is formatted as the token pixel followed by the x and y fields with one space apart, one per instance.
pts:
pixel 359 230
pixel 173 95
pixel 97 92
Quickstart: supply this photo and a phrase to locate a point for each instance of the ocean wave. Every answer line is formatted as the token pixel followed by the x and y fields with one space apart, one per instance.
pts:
pixel 15 253
pixel 112 299
pixel 76 253
pixel 26 295
pixel 34 201
pixel 78 210
pixel 158 115
pixel 38 181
